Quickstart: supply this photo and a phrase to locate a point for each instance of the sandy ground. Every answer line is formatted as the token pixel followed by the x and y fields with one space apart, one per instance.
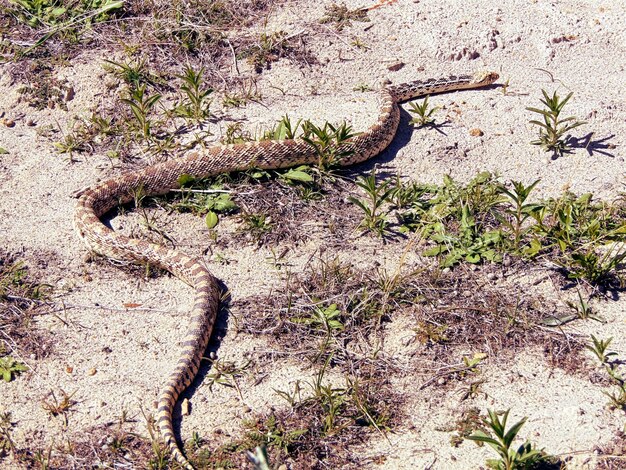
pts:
pixel 576 46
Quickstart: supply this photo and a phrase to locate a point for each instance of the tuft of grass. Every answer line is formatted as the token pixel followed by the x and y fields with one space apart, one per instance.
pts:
pixel 341 16
pixel 553 128
pixel 423 113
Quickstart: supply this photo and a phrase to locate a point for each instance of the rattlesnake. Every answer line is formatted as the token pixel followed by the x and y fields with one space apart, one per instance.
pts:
pixel 161 178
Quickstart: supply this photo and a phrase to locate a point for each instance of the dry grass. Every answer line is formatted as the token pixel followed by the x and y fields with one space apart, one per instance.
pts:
pixel 21 301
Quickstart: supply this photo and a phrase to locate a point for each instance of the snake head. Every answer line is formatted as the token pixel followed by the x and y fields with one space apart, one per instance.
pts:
pixel 484 78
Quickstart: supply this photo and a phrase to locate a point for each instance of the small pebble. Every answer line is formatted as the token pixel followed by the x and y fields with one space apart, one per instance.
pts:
pixel 395 66
pixel 92 371
pixel 8 122
pixel 476 132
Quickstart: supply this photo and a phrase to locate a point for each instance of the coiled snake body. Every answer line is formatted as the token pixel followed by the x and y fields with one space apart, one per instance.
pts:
pixel 159 179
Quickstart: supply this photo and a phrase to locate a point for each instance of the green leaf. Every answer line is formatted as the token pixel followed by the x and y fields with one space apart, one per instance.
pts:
pixel 211 219
pixel 186 180
pixel 223 203
pixel 298 175
pixel 434 251
pixel 58 11
pixel 3 151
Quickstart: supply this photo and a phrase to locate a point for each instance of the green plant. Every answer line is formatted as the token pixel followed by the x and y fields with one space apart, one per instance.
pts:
pixel 58 13
pixel 133 74
pixel 325 318
pixel 195 104
pixel 283 129
pixel 341 16
pixel 510 458
pixel 423 115
pixel 226 373
pixel 599 348
pixel 553 128
pixel 331 143
pixel 515 218
pixel 269 48
pixel 257 224
pixel 582 310
pixel 472 244
pixel 597 269
pixel 141 106
pixel 377 195
pixel 9 368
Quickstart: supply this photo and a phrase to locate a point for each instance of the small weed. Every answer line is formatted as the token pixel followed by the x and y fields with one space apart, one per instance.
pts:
pixel 327 319
pixel 9 368
pixel 134 74
pixel 331 143
pixel 377 195
pixel 256 224
pixel 268 49
pixel 283 129
pixel 342 17
pixel 553 128
pixel 583 309
pixel 49 13
pixel 57 407
pixel 226 373
pixel 599 348
pixel 141 106
pixel 196 103
pixel 235 134
pixel 515 217
pixel 470 421
pixel 510 458
pixel 595 268
pixel 423 114
pixel 248 93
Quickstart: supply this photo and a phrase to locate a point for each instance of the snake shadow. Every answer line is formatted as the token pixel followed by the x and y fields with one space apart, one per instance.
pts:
pixel 217 336
pixel 401 139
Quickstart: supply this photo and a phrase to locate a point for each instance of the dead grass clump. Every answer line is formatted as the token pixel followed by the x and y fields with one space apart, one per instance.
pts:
pixel 41 88
pixel 20 303
pixel 612 455
pixel 109 445
pixel 335 304
pixel 323 425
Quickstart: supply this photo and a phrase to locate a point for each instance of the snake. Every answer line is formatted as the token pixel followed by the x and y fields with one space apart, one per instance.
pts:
pixel 158 179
